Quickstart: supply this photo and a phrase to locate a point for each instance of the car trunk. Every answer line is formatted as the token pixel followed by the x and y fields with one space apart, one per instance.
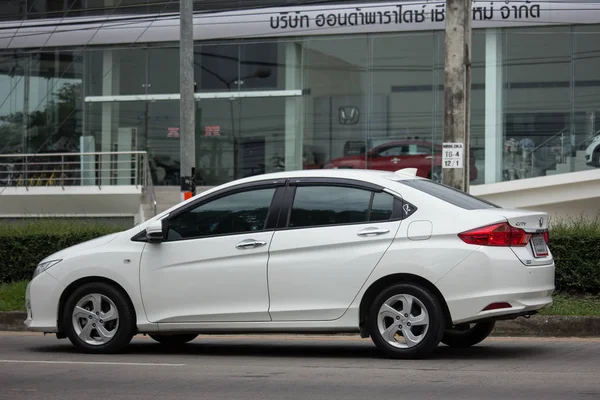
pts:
pixel 536 252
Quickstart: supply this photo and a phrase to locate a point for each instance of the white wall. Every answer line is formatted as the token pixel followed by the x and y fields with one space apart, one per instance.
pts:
pixel 110 201
pixel 562 196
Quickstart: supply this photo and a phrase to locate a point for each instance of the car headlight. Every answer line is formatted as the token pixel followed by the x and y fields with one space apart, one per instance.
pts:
pixel 44 266
pixel 595 139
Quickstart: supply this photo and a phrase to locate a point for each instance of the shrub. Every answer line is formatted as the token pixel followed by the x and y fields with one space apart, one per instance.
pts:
pixel 24 245
pixel 575 245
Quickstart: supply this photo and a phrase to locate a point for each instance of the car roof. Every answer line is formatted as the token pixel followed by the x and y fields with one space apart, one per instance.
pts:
pixel 367 175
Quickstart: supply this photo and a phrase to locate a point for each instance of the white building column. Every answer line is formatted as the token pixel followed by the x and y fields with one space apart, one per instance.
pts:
pixel 110 82
pixel 293 120
pixel 494 106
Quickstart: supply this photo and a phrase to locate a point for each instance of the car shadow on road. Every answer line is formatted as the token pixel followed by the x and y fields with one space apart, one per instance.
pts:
pixel 311 348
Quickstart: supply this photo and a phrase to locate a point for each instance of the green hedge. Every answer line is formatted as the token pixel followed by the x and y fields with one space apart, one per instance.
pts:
pixel 24 244
pixel 574 243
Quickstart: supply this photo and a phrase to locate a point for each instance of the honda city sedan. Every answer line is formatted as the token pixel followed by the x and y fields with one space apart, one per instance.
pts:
pixel 406 261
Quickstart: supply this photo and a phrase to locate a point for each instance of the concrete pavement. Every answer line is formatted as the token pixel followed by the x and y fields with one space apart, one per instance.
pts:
pixel 298 367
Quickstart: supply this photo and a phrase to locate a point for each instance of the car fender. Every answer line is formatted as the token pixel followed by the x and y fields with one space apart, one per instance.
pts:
pixel 117 262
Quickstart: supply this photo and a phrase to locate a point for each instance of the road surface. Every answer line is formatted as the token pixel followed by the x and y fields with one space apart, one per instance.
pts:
pixel 299 368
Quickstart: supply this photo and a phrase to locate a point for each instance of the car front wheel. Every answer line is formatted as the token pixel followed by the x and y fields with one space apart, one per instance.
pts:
pixel 406 321
pixel 467 335
pixel 98 318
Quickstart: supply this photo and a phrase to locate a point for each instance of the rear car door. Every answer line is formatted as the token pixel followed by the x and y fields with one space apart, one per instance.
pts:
pixel 331 234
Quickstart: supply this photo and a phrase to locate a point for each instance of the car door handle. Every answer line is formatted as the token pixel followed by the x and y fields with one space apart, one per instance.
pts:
pixel 250 244
pixel 373 232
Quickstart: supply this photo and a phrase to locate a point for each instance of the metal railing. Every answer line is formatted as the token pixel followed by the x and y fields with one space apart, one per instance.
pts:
pixel 99 169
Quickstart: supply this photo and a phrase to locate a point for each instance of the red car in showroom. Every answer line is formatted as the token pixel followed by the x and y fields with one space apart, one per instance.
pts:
pixel 426 157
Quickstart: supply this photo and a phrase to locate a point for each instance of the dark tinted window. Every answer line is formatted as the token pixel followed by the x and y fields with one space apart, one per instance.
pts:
pixel 236 213
pixel 382 207
pixel 449 194
pixel 327 205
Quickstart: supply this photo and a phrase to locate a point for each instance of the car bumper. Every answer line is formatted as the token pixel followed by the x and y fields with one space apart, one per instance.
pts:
pixel 41 301
pixel 494 275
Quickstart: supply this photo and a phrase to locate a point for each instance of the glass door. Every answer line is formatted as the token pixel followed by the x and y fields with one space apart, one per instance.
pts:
pixel 242 137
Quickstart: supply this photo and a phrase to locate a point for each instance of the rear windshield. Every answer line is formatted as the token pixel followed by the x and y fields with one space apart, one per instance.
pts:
pixel 448 194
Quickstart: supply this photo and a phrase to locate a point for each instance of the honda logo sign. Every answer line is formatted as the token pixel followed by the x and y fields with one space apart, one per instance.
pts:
pixel 349 115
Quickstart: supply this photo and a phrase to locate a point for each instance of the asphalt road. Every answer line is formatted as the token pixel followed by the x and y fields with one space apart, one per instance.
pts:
pixel 244 367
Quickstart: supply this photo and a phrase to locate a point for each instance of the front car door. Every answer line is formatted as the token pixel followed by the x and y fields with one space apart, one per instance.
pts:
pixel 212 267
pixel 331 236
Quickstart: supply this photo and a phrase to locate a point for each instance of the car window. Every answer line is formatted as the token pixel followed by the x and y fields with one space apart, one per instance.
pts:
pixel 393 151
pixel 333 205
pixel 448 194
pixel 236 213
pixel 382 207
pixel 329 205
pixel 418 149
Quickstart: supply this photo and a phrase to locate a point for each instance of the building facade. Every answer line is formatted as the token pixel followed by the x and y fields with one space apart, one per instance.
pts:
pixel 303 86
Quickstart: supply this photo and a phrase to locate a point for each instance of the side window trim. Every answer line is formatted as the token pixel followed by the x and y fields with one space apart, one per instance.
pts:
pixel 273 215
pixel 350 183
pixel 370 207
pixel 285 210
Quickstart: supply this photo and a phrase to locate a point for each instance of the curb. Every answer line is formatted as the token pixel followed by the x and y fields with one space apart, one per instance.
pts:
pixel 550 326
pixel 537 325
pixel 12 321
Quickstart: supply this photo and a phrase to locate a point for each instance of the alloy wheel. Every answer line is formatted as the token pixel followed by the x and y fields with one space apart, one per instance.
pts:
pixel 95 319
pixel 403 321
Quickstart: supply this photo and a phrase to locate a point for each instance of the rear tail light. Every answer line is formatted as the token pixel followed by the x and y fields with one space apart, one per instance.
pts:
pixel 547 237
pixel 496 235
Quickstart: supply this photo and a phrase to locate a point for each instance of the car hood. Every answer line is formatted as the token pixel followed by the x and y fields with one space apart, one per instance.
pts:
pixel 78 248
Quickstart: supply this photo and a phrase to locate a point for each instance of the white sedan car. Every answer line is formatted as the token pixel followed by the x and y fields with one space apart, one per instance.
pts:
pixel 403 260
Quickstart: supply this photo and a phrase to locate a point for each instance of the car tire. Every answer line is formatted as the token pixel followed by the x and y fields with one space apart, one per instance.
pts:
pixel 468 335
pixel 388 321
pixel 174 340
pixel 98 318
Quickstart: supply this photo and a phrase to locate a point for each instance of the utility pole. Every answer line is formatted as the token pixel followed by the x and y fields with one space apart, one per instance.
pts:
pixel 457 95
pixel 187 107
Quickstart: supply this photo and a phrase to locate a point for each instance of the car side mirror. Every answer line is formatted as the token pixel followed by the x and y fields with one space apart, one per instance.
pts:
pixel 155 232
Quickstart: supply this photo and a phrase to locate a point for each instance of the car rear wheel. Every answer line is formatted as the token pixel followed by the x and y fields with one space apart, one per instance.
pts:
pixel 173 340
pixel 406 321
pixel 98 318
pixel 467 335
